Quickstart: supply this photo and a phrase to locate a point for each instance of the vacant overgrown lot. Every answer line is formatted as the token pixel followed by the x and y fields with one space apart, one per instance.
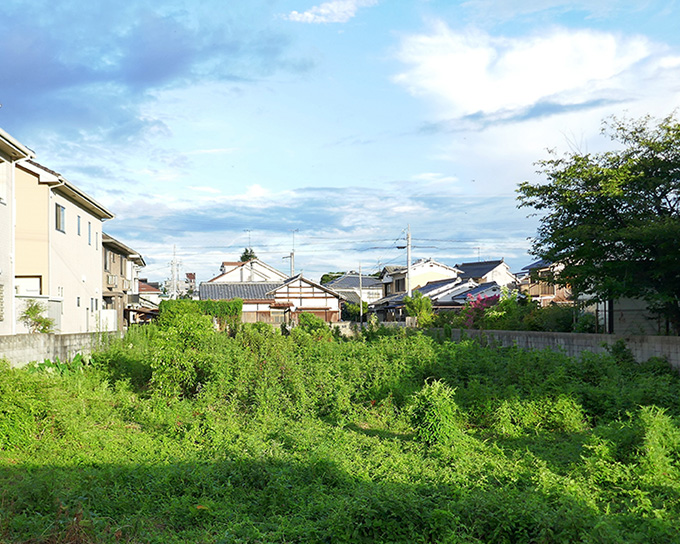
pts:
pixel 182 434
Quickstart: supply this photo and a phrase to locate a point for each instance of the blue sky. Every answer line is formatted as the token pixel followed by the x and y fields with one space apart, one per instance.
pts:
pixel 330 125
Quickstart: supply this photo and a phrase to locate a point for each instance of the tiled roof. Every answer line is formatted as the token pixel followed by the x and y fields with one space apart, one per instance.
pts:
pixel 351 297
pixel 256 290
pixel 477 270
pixel 434 285
pixel 479 290
pixel 146 288
pixel 351 281
pixel 541 263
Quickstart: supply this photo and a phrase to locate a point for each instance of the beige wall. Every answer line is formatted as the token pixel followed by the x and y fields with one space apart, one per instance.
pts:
pixel 76 265
pixel 6 247
pixel 32 232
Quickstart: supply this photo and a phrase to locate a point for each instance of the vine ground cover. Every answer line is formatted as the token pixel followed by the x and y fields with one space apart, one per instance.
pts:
pixel 260 437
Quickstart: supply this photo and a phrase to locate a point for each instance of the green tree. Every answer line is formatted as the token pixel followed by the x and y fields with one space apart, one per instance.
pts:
pixel 352 312
pixel 612 219
pixel 330 276
pixel 34 320
pixel 248 255
pixel 419 306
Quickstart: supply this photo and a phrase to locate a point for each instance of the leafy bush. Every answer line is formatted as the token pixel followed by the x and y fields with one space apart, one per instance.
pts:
pixel 180 362
pixel 435 415
pixel 34 320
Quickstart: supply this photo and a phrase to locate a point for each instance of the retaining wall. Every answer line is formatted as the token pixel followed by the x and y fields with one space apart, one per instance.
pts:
pixel 21 349
pixel 573 344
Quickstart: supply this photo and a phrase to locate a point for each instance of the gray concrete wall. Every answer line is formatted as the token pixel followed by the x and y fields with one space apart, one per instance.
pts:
pixel 573 344
pixel 21 349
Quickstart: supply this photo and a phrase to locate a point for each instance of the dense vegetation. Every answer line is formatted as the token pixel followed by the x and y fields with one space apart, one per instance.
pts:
pixel 179 433
pixel 514 312
pixel 612 220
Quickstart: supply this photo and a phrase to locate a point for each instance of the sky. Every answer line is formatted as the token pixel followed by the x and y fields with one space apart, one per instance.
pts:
pixel 327 128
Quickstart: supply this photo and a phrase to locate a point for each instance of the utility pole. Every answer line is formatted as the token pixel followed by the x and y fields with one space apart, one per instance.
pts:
pixel 174 274
pixel 408 260
pixel 292 255
pixel 361 300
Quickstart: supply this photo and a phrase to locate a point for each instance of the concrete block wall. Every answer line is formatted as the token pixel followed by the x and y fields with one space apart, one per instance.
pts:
pixel 573 344
pixel 21 349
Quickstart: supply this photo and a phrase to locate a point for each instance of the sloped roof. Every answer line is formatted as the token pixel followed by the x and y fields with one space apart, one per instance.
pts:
pixel 351 281
pixel 478 269
pixel 431 286
pixel 480 289
pixel 313 283
pixel 541 263
pixel 146 288
pixel 252 290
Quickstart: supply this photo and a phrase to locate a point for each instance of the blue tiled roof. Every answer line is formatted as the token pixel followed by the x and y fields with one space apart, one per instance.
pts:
pixel 434 285
pixel 477 270
pixel 351 281
pixel 245 291
pixel 541 263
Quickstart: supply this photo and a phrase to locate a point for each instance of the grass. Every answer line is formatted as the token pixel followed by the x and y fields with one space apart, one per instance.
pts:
pixel 311 439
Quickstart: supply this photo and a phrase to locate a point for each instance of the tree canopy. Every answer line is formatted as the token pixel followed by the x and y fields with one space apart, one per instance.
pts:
pixel 611 220
pixel 419 306
pixel 248 255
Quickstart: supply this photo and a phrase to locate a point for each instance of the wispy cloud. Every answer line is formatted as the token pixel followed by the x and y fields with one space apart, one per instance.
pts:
pixel 335 11
pixel 474 76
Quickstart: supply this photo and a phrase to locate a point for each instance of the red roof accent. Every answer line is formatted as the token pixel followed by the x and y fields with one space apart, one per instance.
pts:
pixel 146 288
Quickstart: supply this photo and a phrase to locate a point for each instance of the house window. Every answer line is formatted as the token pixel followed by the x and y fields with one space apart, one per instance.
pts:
pixel 89 233
pixel 78 225
pixel 60 218
pixel 107 257
pixel 78 302
pixel 96 240
pixel 400 285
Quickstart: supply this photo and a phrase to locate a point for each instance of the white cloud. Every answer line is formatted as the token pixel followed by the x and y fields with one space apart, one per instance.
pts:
pixel 335 11
pixel 473 72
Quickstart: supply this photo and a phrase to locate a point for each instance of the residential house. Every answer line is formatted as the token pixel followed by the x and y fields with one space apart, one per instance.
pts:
pixel 277 302
pixel 449 294
pixel 58 258
pixel 120 282
pixel 354 287
pixel 150 294
pixel 188 286
pixel 249 271
pixel 11 151
pixel 394 280
pixel 488 271
pixel 534 282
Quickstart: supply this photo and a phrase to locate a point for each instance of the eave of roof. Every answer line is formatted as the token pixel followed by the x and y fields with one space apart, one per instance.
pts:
pixel 120 247
pixel 13 147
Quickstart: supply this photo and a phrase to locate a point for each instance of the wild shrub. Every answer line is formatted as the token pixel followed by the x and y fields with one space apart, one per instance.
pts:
pixel 21 408
pixel 34 320
pixel 314 325
pixel 180 362
pixel 516 417
pixel 435 414
pixel 660 447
